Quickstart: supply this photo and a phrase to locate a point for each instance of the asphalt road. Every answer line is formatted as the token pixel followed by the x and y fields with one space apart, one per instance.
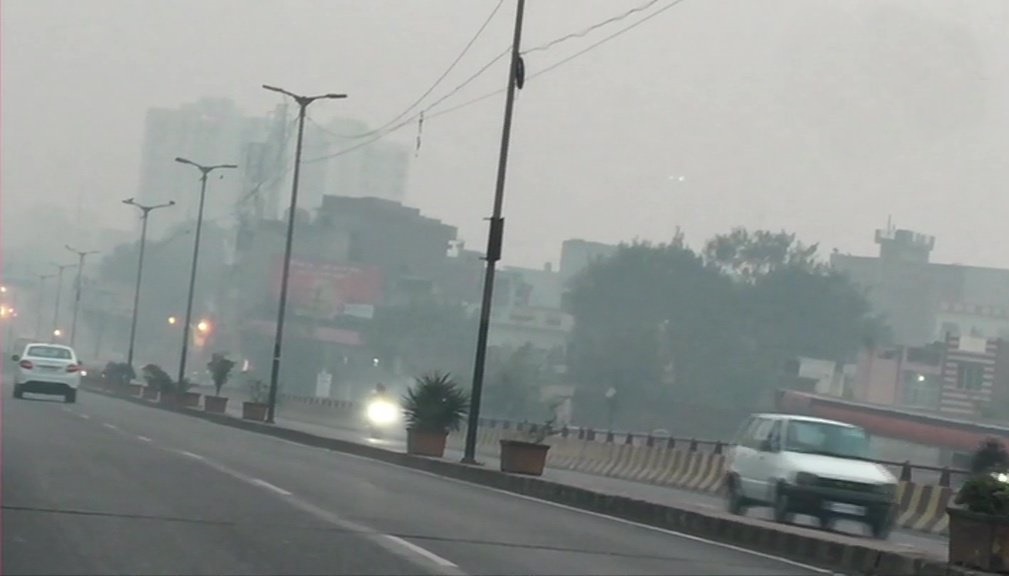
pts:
pixel 109 487
pixel 320 421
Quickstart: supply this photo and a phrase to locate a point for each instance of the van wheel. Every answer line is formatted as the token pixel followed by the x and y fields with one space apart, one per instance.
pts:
pixel 70 397
pixel 18 393
pixel 826 521
pixel 735 502
pixel 782 505
pixel 881 527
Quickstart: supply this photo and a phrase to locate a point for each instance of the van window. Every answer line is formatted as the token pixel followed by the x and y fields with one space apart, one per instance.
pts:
pixel 51 352
pixel 827 439
pixel 744 431
pixel 760 433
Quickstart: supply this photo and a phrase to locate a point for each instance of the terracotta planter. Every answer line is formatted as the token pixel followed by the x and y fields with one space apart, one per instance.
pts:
pixel 254 411
pixel 421 443
pixel 190 399
pixel 169 399
pixel 978 541
pixel 149 393
pixel 518 457
pixel 134 390
pixel 215 404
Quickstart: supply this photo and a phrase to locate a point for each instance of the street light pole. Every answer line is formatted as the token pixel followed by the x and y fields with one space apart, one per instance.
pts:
pixel 81 255
pixel 204 172
pixel 38 312
pixel 494 241
pixel 303 102
pixel 59 294
pixel 145 211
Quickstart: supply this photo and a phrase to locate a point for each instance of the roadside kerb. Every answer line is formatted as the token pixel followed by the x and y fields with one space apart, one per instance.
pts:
pixel 848 554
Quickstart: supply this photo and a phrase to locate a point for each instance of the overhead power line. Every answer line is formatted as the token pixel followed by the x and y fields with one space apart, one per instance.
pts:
pixel 586 31
pixel 437 81
pixel 428 114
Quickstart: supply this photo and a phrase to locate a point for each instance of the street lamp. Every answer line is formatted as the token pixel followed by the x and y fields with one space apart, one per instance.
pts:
pixel 172 320
pixel 145 211
pixel 303 102
pixel 59 294
pixel 81 255
pixel 204 172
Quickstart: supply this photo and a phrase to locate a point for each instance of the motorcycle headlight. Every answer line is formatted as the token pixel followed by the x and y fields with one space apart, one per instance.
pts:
pixel 382 412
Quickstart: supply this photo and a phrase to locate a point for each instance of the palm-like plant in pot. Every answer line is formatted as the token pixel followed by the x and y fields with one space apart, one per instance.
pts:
pixel 220 370
pixel 433 407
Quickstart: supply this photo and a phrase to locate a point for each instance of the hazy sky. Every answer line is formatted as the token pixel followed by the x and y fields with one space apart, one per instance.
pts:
pixel 819 117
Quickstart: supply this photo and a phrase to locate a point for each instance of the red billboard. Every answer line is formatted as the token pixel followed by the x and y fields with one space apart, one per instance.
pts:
pixel 326 289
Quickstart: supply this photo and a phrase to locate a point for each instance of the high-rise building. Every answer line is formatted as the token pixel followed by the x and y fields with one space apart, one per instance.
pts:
pixel 209 131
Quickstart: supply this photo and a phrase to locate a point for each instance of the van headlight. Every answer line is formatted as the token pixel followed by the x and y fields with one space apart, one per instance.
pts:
pixel 888 490
pixel 805 479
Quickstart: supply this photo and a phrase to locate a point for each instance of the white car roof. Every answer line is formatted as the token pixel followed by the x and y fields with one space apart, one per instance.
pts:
pixel 48 345
pixel 800 418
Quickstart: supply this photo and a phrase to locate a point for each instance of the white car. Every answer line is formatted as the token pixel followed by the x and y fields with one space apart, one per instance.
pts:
pixel 47 369
pixel 803 465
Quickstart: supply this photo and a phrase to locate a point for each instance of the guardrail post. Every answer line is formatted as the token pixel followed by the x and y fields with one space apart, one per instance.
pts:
pixel 718 448
pixel 905 471
pixel 609 437
pixel 944 477
pixel 693 444
pixel 650 441
pixel 671 443
pixel 581 433
pixel 629 439
pixel 590 435
pixel 564 432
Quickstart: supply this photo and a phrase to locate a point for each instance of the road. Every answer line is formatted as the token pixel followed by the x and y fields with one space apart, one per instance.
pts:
pixel 320 421
pixel 109 487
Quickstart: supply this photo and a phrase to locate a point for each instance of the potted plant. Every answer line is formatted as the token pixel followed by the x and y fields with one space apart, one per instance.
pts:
pixel 220 369
pixel 186 397
pixel 159 383
pixel 432 407
pixel 979 518
pixel 528 456
pixel 256 407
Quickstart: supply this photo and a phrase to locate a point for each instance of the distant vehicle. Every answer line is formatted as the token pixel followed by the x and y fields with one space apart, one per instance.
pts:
pixel 803 465
pixel 47 369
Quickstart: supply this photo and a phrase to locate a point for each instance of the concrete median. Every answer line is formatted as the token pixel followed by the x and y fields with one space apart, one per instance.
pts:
pixel 841 553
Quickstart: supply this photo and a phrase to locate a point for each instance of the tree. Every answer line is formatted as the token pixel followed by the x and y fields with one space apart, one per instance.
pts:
pixel 425 335
pixel 514 383
pixel 220 369
pixel 683 337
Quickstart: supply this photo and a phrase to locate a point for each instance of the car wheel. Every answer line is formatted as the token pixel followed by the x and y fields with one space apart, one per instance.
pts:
pixel 826 521
pixel 70 397
pixel 18 393
pixel 881 527
pixel 782 505
pixel 735 502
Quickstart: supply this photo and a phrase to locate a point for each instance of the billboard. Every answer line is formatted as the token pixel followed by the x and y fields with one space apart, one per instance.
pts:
pixel 322 289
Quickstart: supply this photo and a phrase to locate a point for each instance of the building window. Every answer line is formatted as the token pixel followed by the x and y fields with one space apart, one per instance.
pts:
pixel 920 390
pixel 970 376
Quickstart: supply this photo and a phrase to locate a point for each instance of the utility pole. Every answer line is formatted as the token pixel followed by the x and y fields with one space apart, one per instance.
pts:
pixel 145 211
pixel 495 238
pixel 38 304
pixel 303 102
pixel 81 255
pixel 59 294
pixel 204 172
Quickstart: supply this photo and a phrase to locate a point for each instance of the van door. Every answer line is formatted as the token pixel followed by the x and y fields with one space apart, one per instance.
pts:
pixel 768 461
pixel 752 478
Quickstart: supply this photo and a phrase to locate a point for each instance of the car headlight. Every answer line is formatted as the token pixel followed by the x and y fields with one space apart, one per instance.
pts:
pixel 889 490
pixel 805 479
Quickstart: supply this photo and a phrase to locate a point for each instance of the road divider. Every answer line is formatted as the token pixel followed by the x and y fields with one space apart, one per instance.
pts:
pixel 922 507
pixel 837 552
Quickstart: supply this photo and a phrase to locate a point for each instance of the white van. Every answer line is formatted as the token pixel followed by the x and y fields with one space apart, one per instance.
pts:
pixel 802 465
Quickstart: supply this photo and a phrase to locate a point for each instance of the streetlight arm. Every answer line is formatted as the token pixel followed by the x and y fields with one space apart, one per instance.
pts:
pixel 281 90
pixel 182 160
pixel 331 96
pixel 223 166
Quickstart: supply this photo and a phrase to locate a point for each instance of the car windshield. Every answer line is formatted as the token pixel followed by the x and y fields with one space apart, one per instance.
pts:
pixel 827 439
pixel 51 352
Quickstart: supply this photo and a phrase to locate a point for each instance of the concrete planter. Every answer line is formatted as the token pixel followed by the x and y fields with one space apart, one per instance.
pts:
pixel 133 390
pixel 518 457
pixel 215 404
pixel 254 411
pixel 421 443
pixel 978 541
pixel 190 399
pixel 148 393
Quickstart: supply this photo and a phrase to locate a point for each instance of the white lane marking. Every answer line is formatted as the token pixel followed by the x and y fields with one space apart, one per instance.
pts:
pixel 398 546
pixel 191 455
pixel 143 438
pixel 420 551
pixel 85 416
pixel 666 531
pixel 110 426
pixel 270 487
